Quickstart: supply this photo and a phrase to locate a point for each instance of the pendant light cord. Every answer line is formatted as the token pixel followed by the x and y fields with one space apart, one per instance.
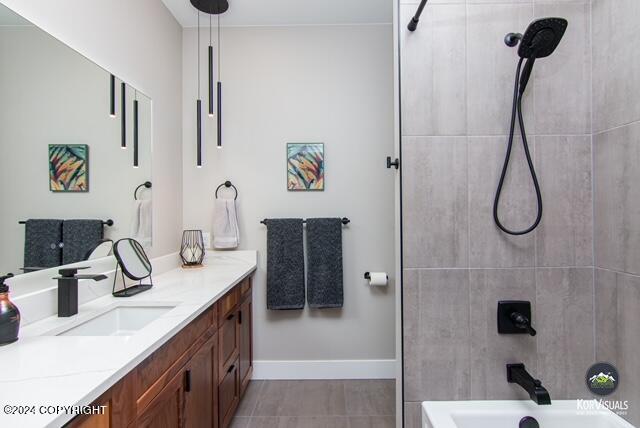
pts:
pixel 219 49
pixel 198 53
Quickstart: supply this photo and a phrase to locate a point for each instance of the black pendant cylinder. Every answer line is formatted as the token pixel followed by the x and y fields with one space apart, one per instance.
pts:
pixel 211 81
pixel 199 132
pixel 135 134
pixel 123 143
pixel 112 105
pixel 219 115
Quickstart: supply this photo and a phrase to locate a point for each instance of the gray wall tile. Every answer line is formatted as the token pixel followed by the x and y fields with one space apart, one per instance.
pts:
pixel 617 199
pixel 436 345
pixel 436 212
pixel 491 67
pixel 489 246
pixel 434 97
pixel 490 351
pixel 565 235
pixel 618 306
pixel 616 68
pixel 564 320
pixel 412 415
pixel 562 82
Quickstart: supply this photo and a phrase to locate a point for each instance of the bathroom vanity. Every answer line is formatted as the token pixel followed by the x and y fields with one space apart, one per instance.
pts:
pixel 178 355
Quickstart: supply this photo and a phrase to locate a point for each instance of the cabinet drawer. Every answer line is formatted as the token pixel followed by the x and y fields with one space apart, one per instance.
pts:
pixel 227 304
pixel 228 335
pixel 228 395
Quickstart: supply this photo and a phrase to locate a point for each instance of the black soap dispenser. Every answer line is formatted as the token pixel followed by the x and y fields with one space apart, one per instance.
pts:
pixel 9 314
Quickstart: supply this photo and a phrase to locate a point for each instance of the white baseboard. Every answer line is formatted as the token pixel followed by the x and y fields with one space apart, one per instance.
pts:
pixel 324 369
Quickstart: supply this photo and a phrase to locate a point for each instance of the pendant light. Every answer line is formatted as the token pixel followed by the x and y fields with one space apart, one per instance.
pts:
pixel 210 72
pixel 135 131
pixel 123 90
pixel 211 7
pixel 219 92
pixel 199 107
pixel 112 92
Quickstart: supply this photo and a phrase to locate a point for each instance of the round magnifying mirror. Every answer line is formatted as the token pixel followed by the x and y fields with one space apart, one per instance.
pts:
pixel 132 259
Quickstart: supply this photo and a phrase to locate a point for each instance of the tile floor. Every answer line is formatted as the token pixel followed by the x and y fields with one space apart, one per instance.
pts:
pixel 318 404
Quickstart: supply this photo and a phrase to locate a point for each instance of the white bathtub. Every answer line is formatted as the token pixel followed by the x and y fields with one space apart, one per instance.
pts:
pixel 508 414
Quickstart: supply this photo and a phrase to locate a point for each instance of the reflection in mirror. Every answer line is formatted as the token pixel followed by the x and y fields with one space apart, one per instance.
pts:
pixel 103 249
pixel 134 263
pixel 64 172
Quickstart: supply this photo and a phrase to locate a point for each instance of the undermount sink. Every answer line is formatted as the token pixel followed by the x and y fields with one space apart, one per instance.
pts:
pixel 121 320
pixel 508 414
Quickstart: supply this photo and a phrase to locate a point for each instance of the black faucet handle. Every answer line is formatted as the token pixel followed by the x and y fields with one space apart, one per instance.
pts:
pixel 71 272
pixel 523 323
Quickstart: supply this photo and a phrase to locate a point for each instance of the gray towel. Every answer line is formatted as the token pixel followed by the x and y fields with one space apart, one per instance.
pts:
pixel 285 264
pixel 80 237
pixel 324 263
pixel 42 238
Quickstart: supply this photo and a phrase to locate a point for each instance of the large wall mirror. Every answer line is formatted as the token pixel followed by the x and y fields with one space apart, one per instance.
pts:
pixel 73 151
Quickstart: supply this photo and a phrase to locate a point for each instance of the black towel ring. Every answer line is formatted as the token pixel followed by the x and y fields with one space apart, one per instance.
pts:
pixel 146 184
pixel 227 184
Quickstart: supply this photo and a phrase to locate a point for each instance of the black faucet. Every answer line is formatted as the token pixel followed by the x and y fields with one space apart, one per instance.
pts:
pixel 516 373
pixel 68 290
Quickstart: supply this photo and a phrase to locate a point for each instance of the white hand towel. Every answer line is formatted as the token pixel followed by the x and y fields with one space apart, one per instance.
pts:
pixel 226 234
pixel 141 224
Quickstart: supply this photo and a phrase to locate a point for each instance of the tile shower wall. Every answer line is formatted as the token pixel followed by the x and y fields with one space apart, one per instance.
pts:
pixel 457 87
pixel 616 147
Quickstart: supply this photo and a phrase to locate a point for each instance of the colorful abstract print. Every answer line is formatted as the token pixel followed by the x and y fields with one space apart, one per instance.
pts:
pixel 68 168
pixel 305 166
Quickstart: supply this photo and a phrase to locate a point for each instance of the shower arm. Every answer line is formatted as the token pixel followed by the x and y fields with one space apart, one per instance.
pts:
pixel 413 24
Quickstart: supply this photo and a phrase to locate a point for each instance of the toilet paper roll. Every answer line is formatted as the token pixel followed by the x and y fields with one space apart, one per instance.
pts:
pixel 378 279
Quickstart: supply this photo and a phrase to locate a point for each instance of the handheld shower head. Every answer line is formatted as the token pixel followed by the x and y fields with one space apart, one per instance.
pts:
pixel 542 37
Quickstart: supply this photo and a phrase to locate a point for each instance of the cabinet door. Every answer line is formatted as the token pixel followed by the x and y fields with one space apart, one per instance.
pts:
pixel 167 408
pixel 245 360
pixel 229 395
pixel 201 387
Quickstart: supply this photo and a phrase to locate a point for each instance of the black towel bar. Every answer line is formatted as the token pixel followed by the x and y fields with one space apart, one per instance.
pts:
pixel 345 221
pixel 106 223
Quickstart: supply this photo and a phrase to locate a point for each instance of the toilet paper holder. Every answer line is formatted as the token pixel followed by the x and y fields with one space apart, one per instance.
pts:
pixel 367 275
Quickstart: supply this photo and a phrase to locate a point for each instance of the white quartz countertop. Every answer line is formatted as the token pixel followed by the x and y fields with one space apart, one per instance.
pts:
pixel 39 371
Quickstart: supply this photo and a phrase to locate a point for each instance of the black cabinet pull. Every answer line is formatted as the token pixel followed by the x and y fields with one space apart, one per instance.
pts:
pixel 230 317
pixel 240 317
pixel 187 381
pixel 232 368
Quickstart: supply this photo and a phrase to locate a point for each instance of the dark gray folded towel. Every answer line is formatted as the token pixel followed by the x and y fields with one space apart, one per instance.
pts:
pixel 80 237
pixel 42 238
pixel 324 263
pixel 285 264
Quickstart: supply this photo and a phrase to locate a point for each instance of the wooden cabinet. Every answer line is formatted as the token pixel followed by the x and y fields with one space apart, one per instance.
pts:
pixel 201 387
pixel 195 380
pixel 166 410
pixel 245 358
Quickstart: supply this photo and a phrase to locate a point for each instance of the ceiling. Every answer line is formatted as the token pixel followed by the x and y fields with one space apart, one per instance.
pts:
pixel 290 12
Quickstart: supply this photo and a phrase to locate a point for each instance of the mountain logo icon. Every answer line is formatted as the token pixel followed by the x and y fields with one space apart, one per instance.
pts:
pixel 602 379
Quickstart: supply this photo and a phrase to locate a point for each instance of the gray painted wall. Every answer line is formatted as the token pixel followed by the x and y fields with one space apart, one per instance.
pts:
pixel 330 84
pixel 457 84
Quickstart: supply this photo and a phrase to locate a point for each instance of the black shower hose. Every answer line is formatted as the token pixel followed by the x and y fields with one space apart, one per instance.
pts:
pixel 517 110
